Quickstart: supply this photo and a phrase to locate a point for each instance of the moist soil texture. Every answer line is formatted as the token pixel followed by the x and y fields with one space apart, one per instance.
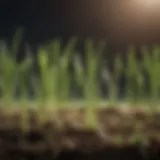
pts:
pixel 76 133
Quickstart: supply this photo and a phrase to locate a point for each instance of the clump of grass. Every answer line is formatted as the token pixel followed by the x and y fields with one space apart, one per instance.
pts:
pixel 52 87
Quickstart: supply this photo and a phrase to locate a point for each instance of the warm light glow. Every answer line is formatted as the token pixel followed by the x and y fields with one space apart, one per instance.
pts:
pixel 152 4
pixel 133 20
pixel 148 2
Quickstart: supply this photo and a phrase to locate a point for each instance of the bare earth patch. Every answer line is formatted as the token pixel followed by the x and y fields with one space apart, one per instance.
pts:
pixel 55 133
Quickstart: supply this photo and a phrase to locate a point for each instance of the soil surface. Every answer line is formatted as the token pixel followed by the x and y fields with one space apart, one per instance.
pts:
pixel 114 133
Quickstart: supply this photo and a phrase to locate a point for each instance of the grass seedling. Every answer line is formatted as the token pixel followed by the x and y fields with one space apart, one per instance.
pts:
pixel 8 77
pixel 114 80
pixel 151 62
pixel 52 86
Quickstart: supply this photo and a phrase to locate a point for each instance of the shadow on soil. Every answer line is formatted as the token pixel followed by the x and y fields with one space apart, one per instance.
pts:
pixel 112 153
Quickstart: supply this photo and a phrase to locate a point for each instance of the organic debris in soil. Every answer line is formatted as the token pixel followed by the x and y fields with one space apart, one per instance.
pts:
pixel 67 129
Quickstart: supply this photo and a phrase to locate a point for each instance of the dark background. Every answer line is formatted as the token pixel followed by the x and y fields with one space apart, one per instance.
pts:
pixel 43 20
pixel 46 19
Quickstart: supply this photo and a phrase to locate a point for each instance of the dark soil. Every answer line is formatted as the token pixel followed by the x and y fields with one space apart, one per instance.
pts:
pixel 119 133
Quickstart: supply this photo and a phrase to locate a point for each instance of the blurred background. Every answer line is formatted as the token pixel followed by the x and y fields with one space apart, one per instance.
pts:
pixel 120 22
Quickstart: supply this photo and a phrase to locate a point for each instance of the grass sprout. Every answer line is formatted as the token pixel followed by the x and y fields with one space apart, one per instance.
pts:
pixel 53 82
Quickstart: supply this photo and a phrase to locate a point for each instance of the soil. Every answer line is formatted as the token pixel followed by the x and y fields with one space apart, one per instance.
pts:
pixel 114 133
